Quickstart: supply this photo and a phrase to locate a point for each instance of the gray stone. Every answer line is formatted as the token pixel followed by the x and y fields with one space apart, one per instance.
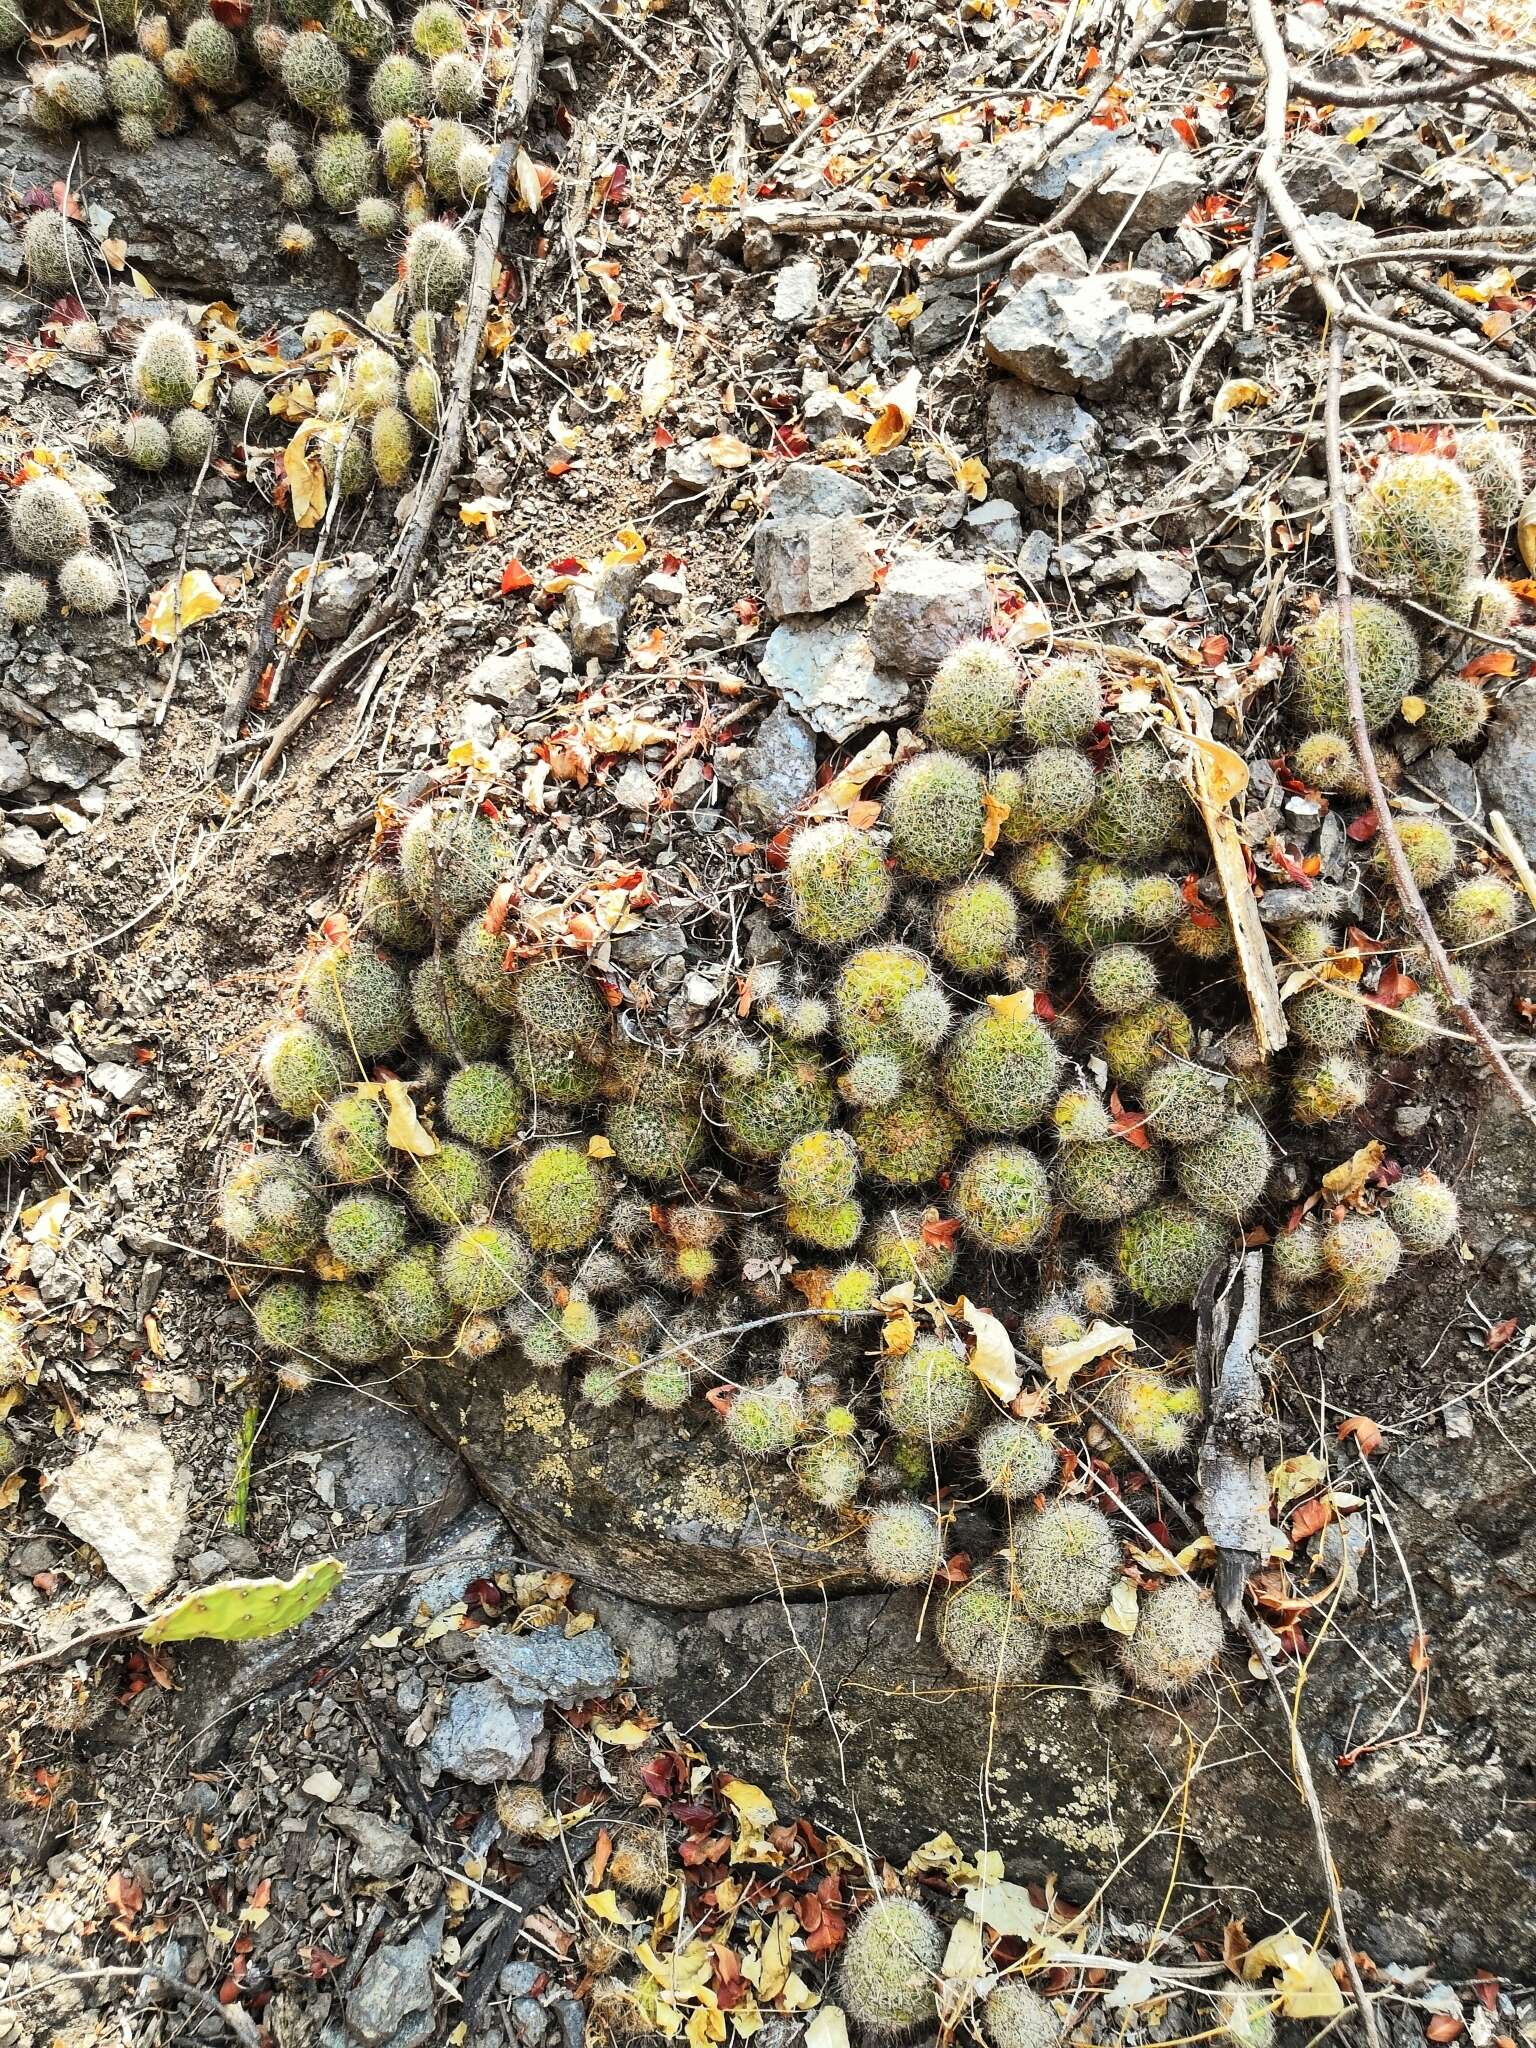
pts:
pixel 390 2006
pixel 1047 442
pixel 797 292
pixel 341 589
pixel 1452 778
pixel 14 773
pixel 122 1496
pixel 1334 176
pixel 547 1667
pixel 124 1084
pixel 1035 556
pixel 635 789
pixel 481 1736
pixel 1161 584
pixel 778 771
pixel 823 668
pixel 997 525
pixel 926 606
pixel 812 564
pixel 1508 766
pixel 811 488
pixel 943 323
pixel 1058 255
pixel 61 761
pixel 829 415
pixel 498 678
pixel 595 608
pixel 1071 334
pixel 1147 189
pixel 379 1848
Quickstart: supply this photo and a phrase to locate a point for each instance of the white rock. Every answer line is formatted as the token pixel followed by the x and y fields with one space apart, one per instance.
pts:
pixel 323 1785
pixel 122 1497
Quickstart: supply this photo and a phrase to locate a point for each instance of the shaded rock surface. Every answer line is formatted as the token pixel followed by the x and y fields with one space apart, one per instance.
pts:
pixel 1149 190
pixel 824 669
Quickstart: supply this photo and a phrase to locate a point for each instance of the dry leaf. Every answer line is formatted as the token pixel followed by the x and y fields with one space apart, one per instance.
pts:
pixel 656 382
pixel 893 422
pixel 997 814
pixel 1307 1988
pixel 483 512
pixel 172 611
pixel 1120 1615
pixel 828 2029
pixel 973 476
pixel 725 451
pixel 750 1803
pixel 1240 391
pixel 628 548
pixel 405 1130
pixel 992 1358
pixel 847 785
pixel 1019 1003
pixel 530 186
pixel 1226 772
pixel 899 1333
pixel 1349 1178
pixel 1061 1361
pixel 599 1148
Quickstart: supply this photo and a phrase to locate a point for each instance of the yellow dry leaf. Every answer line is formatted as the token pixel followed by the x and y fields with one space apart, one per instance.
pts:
pixel 293 402
pixel 1307 1987
pixel 899 1334
pixel 1352 1175
pixel 657 380
pixel 893 421
pixel 829 2029
pixel 1238 392
pixel 721 190
pixel 847 785
pixel 681 1975
pixel 997 813
pixel 598 1147
pixel 471 756
pixel 1119 1617
pixel 1006 1908
pixel 706 2024
pixel 905 310
pixel 1362 130
pixel 1294 1478
pixel 620 1734
pixel 405 1131
pixel 625 735
pixel 1525 533
pixel 141 284
pixel 605 1905
pixel 1016 1005
pixel 173 608
pixel 1225 771
pixel 802 97
pixel 768 1971
pixel 11 1489
pixel 960 1973
pixel 525 177
pixel 726 451
pixel 484 512
pixel 43 1223
pixel 1413 709
pixel 1482 289
pixel 797 1995
pixel 628 547
pixel 992 1358
pixel 1061 1361
pixel 973 476
pixel 306 479
pixel 750 1803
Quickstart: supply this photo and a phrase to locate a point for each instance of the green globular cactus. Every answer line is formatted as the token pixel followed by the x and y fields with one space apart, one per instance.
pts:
pixel 1424 1212
pixel 837 883
pixel 343 170
pixel 1228 1172
pixel 900 1250
pixel 89 585
pixel 976 926
pixel 449 1186
pixel 1205 935
pixel 1184 1102
pixel 1328 1087
pixel 284 1314
pixel 1139 807
pixel 1153 1411
pixel 1000 1070
pixel 349 1141
pixel 484 1266
pixel 1309 941
pixel 559 1198
pixel 936 812
pixel 480 1336
pixel 1154 904
pixel 986 1634
pixel 888 1001
pixel 873 1080
pixel 480 955
pixel 55 251
pixel 665 1384
pixel 473 167
pixel 1326 761
pixel 378 218
pixel 930 1394
pixel 765 1420
pixel 244 1610
pixel 192 437
pixel 820 1167
pixel 1163 1251
pixel 1296 1256
pixel 1096 1287
pixel 414 1307
pixel 357 993
pixel 48 521
pixel 1176 1641
pixel 764 1113
pixel 349 1327
pixel 1495 464
pixel 23 599
pixel 1110 1179
pixel 1121 978
pixel 387 913
pixel 66 96
pixel 1054 1320
pixel 1041 872
pixel 903 1545
pixel 399 150
pixel 556 1076
pixel 144 443
pixel 1479 912
pixel 1080 1118
pixel 1360 1253
pixel 1066 1560
pixel 1056 792
pixel 272 1209
pixel 397 90
pixel 655 1141
pixel 247 405
pixel 909 1141
pixel 1388 655
pixel 436 29
pixel 1429 847
pixel 297 244
pixel 363 31
pixel 136 87
pixel 1136 1043
pixel 302 1069
pixel 603 1385
pixel 558 1001
pixel 1485 603
pixel 315 74
pixel 391 442
pixel 448 1013
pixel 447 140
pixel 1063 704
pixel 1017 1459
pixel 1014 2015
pixel 1408 1027
pixel 1002 1197
pixel 973 701
pixel 458 85
pixel 849 1296
pixel 213 54
pixel 423 392
pixel 366 1232
pixel 830 1472
pixel 281 157
pixel 484 1105
pixel 889 1969
pixel 14 28
pixel 1096 909
pixel 1455 713
pixel 164 372
pixel 269 45
pixel 830 1226
pixel 1416 527
pixel 343 453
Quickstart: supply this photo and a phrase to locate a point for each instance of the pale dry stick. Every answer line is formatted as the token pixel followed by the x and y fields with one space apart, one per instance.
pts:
pixel 765 71
pixel 1334 92
pixel 963 231
pixel 235 2017
pixel 1504 838
pixel 1222 322
pixel 622 37
pixel 1407 888
pixel 1447 302
pixel 974 266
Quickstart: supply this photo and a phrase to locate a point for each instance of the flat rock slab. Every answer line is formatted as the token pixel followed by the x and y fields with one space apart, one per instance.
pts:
pixel 1149 190
pixel 122 1497
pixel 1073 334
pixel 811 564
pixel 824 669
pixel 549 1668
pixel 482 1737
pixel 1046 440
pixel 926 607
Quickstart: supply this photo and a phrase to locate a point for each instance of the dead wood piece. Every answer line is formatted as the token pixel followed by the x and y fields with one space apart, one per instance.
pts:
pixel 527 1893
pixel 1232 1493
